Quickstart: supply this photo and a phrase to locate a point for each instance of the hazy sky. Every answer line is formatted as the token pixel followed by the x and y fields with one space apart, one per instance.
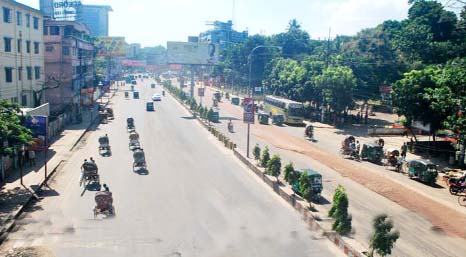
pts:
pixel 153 22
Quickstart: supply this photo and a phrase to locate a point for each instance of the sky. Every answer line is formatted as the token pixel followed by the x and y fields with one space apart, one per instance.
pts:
pixel 154 22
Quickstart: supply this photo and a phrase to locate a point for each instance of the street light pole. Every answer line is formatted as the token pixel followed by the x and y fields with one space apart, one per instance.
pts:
pixel 251 92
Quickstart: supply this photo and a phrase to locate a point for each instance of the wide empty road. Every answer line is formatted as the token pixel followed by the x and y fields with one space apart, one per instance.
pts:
pixel 196 200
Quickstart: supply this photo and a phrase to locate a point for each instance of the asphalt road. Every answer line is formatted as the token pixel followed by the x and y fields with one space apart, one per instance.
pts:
pixel 196 200
pixel 418 236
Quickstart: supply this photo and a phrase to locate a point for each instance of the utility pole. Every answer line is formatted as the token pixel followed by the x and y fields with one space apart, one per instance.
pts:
pixel 327 57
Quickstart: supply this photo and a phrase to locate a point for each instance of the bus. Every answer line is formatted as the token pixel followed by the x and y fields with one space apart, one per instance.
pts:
pixel 291 110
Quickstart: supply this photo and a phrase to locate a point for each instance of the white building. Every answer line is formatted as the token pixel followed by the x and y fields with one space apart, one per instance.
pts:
pixel 21 54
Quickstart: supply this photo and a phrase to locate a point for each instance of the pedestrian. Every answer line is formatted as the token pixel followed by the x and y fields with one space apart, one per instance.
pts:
pixel 358 146
pixel 358 118
pixel 366 118
pixel 106 189
pixel 32 158
pixel 404 149
pixel 92 160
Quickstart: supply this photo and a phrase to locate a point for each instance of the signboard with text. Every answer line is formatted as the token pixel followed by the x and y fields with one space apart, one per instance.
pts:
pixel 248 115
pixel 192 53
pixel 65 10
pixel 110 46
pixel 38 125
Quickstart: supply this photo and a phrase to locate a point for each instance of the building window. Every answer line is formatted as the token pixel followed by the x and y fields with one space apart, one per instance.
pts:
pixel 28 20
pixel 49 48
pixel 28 46
pixel 68 31
pixel 6 15
pixel 7 42
pixel 35 22
pixel 36 47
pixel 66 50
pixel 46 30
pixel 54 31
pixel 29 72
pixel 8 74
pixel 36 72
pixel 20 73
pixel 18 45
pixel 24 100
pixel 19 18
pixel 14 99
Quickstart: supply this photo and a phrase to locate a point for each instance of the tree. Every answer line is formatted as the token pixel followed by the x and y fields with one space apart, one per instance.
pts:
pixel 265 157
pixel 295 41
pixel 384 238
pixel 339 211
pixel 274 166
pixel 305 187
pixel 12 130
pixel 291 176
pixel 337 84
pixel 257 152
pixel 414 96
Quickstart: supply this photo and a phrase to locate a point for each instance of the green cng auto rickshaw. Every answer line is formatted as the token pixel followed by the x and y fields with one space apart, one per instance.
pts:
pixel 423 170
pixel 215 116
pixel 372 152
pixel 136 95
pixel 315 182
pixel 278 119
pixel 235 100
pixel 263 118
pixel 149 106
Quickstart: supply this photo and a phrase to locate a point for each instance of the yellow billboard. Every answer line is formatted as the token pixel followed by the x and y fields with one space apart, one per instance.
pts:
pixel 111 46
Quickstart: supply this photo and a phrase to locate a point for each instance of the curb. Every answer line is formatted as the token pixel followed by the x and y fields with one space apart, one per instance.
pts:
pixel 307 216
pixel 11 220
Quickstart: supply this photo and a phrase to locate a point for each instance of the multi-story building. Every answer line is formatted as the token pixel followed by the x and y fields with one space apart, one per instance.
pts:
pixel 222 34
pixel 46 7
pixel 69 64
pixel 133 50
pixel 21 54
pixel 95 17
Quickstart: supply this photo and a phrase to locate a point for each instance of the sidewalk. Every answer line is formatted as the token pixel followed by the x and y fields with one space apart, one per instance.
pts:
pixel 13 196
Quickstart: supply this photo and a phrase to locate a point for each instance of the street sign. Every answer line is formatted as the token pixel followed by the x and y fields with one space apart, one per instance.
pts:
pixel 258 89
pixel 200 92
pixel 248 105
pixel 248 117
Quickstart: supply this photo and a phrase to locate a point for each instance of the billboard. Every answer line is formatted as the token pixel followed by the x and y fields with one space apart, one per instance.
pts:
pixel 38 125
pixel 65 10
pixel 192 53
pixel 111 46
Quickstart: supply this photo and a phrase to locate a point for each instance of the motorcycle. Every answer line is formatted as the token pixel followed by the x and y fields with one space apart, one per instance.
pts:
pixel 230 127
pixel 456 186
pixel 163 92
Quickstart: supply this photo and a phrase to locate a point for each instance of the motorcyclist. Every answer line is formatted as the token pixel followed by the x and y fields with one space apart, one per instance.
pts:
pixel 163 92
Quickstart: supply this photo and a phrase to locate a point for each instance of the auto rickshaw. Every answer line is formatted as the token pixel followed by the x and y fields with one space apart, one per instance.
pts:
pixel 235 100
pixel 278 119
pixel 215 116
pixel 152 85
pixel 425 171
pixel 136 95
pixel 150 106
pixel 372 152
pixel 103 117
pixel 126 94
pixel 315 181
pixel 263 118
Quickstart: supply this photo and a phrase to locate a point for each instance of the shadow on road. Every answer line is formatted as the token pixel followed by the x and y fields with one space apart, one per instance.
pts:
pixel 142 172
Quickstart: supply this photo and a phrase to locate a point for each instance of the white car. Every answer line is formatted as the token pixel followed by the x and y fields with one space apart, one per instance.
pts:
pixel 156 97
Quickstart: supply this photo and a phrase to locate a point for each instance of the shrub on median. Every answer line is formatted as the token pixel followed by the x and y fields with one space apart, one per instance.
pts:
pixel 257 152
pixel 339 211
pixel 274 166
pixel 265 157
pixel 291 176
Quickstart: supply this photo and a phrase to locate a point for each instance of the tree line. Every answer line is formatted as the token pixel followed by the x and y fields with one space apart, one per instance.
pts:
pixel 421 57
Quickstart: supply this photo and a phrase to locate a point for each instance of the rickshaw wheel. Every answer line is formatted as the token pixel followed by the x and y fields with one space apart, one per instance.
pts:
pixel 462 200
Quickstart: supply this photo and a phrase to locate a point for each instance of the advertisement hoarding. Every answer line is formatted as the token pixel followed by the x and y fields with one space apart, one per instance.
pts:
pixel 192 53
pixel 38 125
pixel 248 114
pixel 111 46
pixel 65 10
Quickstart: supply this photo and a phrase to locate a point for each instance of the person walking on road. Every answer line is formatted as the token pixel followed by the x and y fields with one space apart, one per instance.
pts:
pixel 32 158
pixel 404 149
